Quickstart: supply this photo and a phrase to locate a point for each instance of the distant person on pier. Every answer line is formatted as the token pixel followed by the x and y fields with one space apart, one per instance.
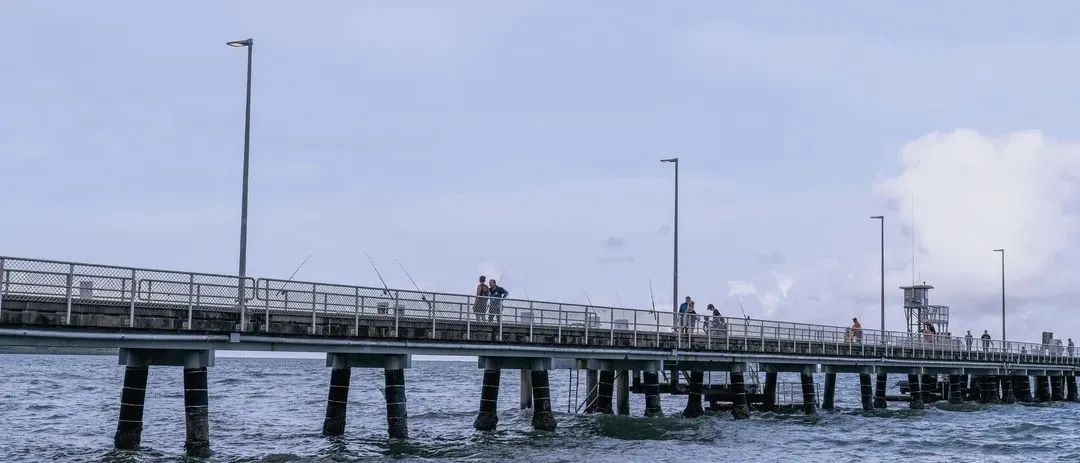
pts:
pixel 496 294
pixel 718 325
pixel 691 318
pixel 480 306
pixel 1071 347
pixel 682 314
pixel 968 339
pixel 985 340
pixel 856 330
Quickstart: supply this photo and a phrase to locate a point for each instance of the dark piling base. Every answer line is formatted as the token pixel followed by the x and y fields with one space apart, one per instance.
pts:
pixel 994 388
pixel 129 427
pixel 604 392
pixel 879 391
pixel 1022 388
pixel 770 391
pixel 196 408
pixel 1006 389
pixel 397 416
pixel 693 397
pixel 740 408
pixel 956 393
pixel 592 385
pixel 542 419
pixel 652 393
pixel 622 392
pixel 1042 388
pixel 928 387
pixel 337 401
pixel 1070 386
pixel 829 396
pixel 915 393
pixel 487 418
pixel 866 392
pixel 1057 388
pixel 809 401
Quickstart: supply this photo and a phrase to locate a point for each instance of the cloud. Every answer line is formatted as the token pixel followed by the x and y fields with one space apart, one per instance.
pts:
pixel 614 259
pixel 770 300
pixel 614 243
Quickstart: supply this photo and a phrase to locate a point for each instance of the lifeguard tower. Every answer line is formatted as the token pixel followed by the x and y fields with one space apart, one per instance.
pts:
pixel 918 311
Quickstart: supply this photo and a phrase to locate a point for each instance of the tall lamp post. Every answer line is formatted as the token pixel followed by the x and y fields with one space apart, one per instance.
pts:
pixel 675 269
pixel 250 45
pixel 881 218
pixel 1002 251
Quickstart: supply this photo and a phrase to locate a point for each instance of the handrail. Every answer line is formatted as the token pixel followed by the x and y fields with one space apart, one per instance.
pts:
pixel 56 279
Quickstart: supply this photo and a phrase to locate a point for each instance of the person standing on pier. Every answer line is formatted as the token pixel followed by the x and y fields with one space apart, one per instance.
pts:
pixel 856 330
pixel 968 338
pixel 691 315
pixel 682 314
pixel 1071 347
pixel 985 340
pixel 496 294
pixel 480 306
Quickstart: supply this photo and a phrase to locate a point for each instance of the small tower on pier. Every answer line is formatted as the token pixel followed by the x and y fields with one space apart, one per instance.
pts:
pixel 918 311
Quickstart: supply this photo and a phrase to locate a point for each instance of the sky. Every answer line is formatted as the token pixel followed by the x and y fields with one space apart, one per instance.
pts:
pixel 522 140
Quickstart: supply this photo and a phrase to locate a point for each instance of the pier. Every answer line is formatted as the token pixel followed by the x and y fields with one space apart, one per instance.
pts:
pixel 165 318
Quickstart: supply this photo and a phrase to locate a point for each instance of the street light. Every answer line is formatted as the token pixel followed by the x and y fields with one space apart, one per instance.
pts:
pixel 1002 251
pixel 675 269
pixel 882 219
pixel 250 45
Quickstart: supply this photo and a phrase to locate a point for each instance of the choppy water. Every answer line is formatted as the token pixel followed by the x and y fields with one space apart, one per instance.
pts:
pixel 64 408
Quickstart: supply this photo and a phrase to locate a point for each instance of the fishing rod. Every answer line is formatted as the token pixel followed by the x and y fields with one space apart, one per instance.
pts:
pixel 283 290
pixel 741 307
pixel 418 290
pixel 386 289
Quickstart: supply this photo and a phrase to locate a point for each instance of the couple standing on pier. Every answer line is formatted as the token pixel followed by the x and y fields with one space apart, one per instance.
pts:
pixel 488 299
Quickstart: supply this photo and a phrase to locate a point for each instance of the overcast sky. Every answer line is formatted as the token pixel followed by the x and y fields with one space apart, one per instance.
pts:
pixel 521 139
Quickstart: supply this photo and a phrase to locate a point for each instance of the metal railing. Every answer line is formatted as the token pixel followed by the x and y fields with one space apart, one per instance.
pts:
pixel 70 283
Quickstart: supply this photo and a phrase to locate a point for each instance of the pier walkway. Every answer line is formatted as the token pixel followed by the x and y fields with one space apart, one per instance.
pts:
pixel 164 317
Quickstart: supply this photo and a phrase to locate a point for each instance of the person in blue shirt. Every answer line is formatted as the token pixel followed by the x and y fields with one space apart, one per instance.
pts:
pixel 496 294
pixel 682 313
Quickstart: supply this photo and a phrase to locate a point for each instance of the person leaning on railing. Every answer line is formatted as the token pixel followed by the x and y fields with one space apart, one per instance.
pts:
pixel 496 294
pixel 856 330
pixel 480 306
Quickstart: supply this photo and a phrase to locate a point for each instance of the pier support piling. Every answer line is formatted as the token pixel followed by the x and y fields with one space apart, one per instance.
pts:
pixel 809 400
pixel 740 408
pixel 915 395
pixel 525 396
pixel 994 389
pixel 879 391
pixel 543 419
pixel 1070 386
pixel 829 396
pixel 1022 388
pixel 197 443
pixel 928 387
pixel 487 418
pixel 604 391
pixel 956 394
pixel 397 417
pixel 1007 395
pixel 693 397
pixel 622 392
pixel 129 427
pixel 652 393
pixel 337 401
pixel 769 403
pixel 866 392
pixel 592 383
pixel 1057 388
pixel 1042 388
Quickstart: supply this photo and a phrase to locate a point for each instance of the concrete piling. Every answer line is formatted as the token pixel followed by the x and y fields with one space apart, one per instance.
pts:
pixel 604 391
pixel 525 396
pixel 915 393
pixel 592 383
pixel 1007 395
pixel 879 391
pixel 129 427
pixel 652 393
pixel 928 387
pixel 866 392
pixel 337 401
pixel 1042 388
pixel 809 401
pixel 397 417
pixel 1057 388
pixel 1022 388
pixel 196 408
pixel 1070 386
pixel 956 394
pixel 770 391
pixel 993 389
pixel 543 419
pixel 622 392
pixel 693 397
pixel 740 409
pixel 829 396
pixel 487 418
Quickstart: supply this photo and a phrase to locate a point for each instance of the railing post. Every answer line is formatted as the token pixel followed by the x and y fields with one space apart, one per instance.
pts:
pixel 588 321
pixel 397 313
pixel 634 342
pixel 190 298
pixel 558 337
pixel 266 304
pixel 71 271
pixel 3 286
pixel 657 317
pixel 468 321
pixel 532 320
pixel 326 312
pixel 432 315
pixel 313 308
pixel 134 291
pixel 498 316
pixel 358 302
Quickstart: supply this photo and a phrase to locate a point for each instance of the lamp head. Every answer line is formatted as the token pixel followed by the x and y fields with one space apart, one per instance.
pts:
pixel 999 250
pixel 879 217
pixel 670 160
pixel 240 43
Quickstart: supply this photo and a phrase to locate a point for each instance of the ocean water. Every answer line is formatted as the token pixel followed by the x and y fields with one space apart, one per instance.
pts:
pixel 64 408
